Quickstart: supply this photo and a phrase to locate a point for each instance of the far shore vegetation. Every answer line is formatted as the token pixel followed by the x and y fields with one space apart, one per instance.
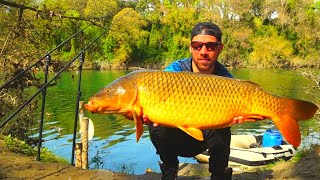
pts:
pixel 151 34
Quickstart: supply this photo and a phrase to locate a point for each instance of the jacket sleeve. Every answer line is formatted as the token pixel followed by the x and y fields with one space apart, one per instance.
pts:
pixel 173 67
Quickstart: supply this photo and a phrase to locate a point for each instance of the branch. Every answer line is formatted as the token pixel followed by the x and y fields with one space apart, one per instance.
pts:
pixel 50 13
pixel 5 43
pixel 12 4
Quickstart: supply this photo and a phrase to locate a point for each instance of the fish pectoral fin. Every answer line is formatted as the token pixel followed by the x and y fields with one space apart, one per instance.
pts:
pixel 194 132
pixel 138 122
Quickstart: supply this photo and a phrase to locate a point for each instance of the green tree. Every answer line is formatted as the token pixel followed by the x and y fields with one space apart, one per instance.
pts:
pixel 101 9
pixel 19 47
pixel 164 28
pixel 269 48
pixel 305 18
pixel 296 20
pixel 127 31
pixel 177 23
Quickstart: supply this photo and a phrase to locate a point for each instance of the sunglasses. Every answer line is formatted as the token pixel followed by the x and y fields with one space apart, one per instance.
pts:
pixel 211 46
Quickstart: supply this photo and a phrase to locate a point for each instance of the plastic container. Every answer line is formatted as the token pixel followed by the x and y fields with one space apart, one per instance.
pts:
pixel 271 138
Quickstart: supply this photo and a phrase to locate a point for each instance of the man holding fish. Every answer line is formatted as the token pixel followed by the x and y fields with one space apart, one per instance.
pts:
pixel 170 143
pixel 192 108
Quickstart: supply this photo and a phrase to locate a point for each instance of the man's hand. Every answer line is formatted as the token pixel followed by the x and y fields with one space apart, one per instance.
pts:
pixel 147 121
pixel 238 120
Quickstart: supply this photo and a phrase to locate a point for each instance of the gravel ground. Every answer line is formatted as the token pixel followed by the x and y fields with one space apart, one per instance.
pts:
pixel 19 166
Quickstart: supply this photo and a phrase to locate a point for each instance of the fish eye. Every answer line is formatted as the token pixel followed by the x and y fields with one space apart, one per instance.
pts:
pixel 107 90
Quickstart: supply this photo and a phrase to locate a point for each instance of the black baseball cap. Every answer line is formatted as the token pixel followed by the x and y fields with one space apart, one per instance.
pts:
pixel 207 28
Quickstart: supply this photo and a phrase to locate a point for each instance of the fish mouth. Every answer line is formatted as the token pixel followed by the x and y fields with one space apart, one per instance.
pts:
pixel 92 106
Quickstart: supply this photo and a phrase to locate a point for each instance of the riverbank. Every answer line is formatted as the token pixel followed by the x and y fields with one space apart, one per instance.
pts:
pixel 20 166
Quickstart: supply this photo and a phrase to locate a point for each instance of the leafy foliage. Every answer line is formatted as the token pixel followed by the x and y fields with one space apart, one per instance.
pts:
pixel 15 145
pixel 127 33
pixel 18 146
pixel 270 49
pixel 152 32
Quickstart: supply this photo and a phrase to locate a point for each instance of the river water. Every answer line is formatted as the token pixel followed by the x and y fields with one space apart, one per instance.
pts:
pixel 113 146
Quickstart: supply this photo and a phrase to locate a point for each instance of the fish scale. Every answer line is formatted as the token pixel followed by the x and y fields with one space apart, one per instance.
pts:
pixel 190 96
pixel 194 102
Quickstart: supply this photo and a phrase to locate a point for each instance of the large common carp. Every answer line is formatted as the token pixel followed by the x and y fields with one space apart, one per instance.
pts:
pixel 194 102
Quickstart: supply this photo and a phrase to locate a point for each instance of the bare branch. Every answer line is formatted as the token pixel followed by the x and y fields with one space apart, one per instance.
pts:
pixel 49 13
pixel 5 43
pixel 12 4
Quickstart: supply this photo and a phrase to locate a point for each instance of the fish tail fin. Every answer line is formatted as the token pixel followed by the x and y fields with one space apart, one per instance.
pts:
pixel 287 122
pixel 301 110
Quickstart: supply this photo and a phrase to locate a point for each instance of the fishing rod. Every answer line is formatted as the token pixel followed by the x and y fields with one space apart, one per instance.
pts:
pixel 40 59
pixel 46 55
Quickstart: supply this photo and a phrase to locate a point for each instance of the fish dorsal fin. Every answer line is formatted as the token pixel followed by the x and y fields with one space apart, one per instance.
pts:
pixel 250 83
pixel 194 132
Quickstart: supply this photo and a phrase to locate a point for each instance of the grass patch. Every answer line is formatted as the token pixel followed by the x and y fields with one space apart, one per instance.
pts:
pixel 302 153
pixel 271 165
pixel 296 158
pixel 49 157
pixel 15 145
